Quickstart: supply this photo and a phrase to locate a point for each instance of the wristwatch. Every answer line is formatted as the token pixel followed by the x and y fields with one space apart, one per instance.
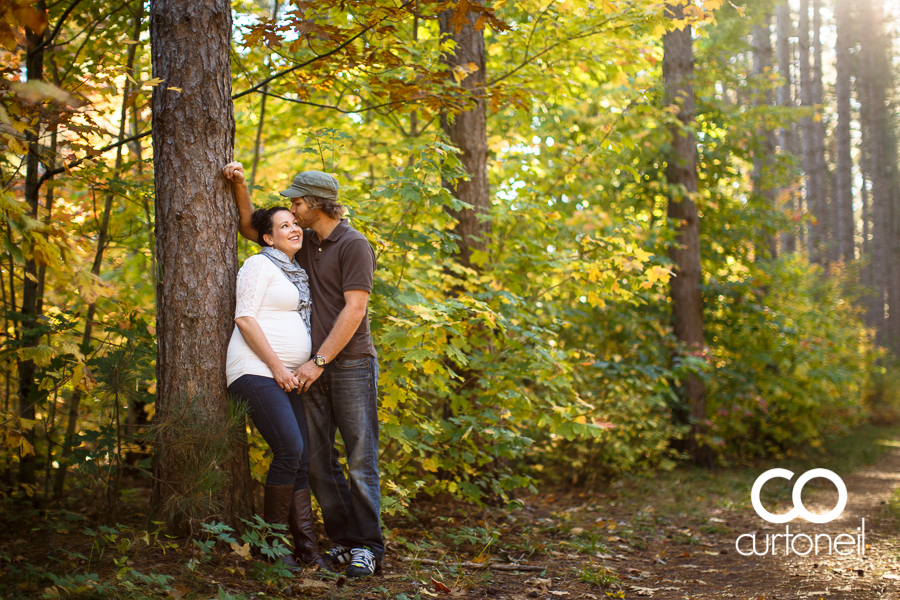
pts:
pixel 320 361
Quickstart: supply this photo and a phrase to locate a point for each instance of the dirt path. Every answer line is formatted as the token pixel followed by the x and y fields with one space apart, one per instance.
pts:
pixel 876 574
pixel 598 546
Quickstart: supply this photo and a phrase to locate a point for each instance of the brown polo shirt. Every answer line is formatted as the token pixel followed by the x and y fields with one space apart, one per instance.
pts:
pixel 342 261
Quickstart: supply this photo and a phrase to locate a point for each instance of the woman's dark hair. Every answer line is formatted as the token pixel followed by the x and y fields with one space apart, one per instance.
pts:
pixel 262 221
pixel 326 205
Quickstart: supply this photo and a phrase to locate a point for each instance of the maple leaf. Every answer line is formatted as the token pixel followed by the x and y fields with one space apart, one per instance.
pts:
pixel 460 16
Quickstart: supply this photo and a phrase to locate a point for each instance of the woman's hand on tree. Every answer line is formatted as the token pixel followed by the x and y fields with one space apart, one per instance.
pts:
pixel 234 172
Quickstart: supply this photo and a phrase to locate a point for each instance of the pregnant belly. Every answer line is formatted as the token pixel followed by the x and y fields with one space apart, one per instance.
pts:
pixel 287 335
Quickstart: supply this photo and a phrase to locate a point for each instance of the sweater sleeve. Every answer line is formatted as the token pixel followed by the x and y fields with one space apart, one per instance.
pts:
pixel 252 281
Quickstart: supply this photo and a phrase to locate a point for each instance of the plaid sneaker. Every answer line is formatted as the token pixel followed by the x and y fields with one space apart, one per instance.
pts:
pixel 362 564
pixel 337 556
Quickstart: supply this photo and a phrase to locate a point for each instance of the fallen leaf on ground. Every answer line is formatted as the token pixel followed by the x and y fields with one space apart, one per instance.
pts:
pixel 242 551
pixel 313 583
pixel 538 584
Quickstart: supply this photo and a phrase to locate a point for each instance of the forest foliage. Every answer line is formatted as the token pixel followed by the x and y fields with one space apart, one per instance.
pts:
pixel 554 349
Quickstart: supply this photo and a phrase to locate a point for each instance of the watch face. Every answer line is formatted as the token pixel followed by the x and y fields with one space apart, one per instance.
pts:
pixel 320 361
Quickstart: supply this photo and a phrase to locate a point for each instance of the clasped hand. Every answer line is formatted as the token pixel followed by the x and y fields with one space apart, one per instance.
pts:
pixel 286 379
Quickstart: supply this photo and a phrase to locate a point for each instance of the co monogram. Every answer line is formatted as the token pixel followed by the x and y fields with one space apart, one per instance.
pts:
pixel 799 509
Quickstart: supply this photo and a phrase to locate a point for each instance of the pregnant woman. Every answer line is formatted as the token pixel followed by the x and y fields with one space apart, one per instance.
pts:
pixel 272 338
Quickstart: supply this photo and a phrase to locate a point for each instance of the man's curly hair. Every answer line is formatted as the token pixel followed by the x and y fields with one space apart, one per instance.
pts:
pixel 326 205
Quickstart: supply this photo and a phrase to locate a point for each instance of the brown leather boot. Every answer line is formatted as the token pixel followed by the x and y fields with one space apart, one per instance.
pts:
pixel 277 509
pixel 306 546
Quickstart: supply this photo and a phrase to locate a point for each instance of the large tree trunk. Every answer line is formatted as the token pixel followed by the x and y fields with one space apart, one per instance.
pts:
pixel 764 156
pixel 786 99
pixel 681 173
pixel 843 193
pixel 468 131
pixel 196 229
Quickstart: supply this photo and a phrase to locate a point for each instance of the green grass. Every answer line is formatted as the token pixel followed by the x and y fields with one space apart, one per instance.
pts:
pixel 598 576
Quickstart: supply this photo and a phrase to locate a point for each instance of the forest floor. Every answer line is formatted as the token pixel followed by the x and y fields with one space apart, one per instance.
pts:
pixel 670 536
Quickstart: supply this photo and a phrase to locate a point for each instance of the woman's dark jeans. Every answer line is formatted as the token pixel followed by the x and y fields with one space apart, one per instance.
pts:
pixel 279 417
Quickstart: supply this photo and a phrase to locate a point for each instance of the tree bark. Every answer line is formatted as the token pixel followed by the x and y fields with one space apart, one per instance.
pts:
pixel 467 131
pixel 196 228
pixel 681 173
pixel 843 193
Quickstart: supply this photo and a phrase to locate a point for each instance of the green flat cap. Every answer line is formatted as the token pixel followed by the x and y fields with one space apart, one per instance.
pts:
pixel 313 183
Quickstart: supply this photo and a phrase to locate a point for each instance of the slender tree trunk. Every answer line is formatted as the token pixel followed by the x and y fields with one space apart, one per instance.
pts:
pixel 764 156
pixel 34 68
pixel 102 241
pixel 820 173
pixel 868 279
pixel 467 131
pixel 843 193
pixel 893 257
pixel 786 99
pixel 196 228
pixel 874 78
pixel 257 143
pixel 813 242
pixel 681 173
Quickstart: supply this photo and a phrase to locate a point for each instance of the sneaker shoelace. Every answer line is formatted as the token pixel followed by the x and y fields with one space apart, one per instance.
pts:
pixel 363 557
pixel 339 554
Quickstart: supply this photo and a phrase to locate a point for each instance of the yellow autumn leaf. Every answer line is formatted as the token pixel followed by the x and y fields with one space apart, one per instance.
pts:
pixel 609 7
pixel 658 273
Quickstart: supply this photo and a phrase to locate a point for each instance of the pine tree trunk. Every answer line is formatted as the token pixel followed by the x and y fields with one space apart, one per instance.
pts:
pixel 196 230
pixel 681 173
pixel 817 202
pixel 765 153
pixel 808 131
pixel 843 193
pixel 874 76
pixel 822 230
pixel 786 99
pixel 468 132
pixel 868 280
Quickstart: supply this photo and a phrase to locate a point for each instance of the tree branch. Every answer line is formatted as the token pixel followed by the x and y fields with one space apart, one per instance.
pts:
pixel 334 50
pixel 56 29
pixel 51 172
pixel 534 57
pixel 340 110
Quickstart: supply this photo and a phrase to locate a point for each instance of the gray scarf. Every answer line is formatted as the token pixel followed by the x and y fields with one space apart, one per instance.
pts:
pixel 296 275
